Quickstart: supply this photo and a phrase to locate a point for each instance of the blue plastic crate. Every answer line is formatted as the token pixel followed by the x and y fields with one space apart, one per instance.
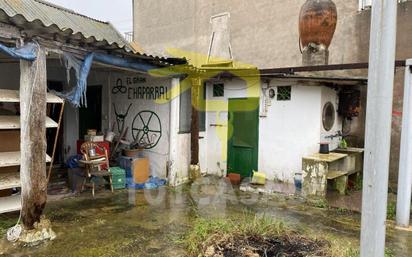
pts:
pixel 126 164
pixel 118 177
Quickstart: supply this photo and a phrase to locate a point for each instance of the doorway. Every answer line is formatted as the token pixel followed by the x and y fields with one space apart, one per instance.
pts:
pixel 91 117
pixel 243 136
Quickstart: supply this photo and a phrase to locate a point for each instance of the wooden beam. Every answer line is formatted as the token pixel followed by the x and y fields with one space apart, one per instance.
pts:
pixel 8 31
pixel 33 92
pixel 194 131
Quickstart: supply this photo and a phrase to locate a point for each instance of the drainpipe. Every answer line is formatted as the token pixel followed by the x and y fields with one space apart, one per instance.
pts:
pixel 403 208
pixel 378 127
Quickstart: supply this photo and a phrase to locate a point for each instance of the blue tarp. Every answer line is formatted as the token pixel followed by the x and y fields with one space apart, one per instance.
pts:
pixel 151 183
pixel 26 52
pixel 73 161
pixel 77 96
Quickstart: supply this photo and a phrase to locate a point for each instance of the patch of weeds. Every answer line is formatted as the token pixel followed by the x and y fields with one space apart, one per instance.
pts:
pixel 6 223
pixel 179 189
pixel 356 253
pixel 173 189
pixel 351 252
pixel 343 211
pixel 277 180
pixel 358 183
pixel 247 235
pixel 63 215
pixel 389 253
pixel 320 203
pixel 393 188
pixel 391 211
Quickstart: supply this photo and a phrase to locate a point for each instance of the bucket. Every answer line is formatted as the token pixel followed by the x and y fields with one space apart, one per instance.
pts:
pixel 298 181
pixel 91 132
pixel 110 136
pixel 258 178
pixel 324 148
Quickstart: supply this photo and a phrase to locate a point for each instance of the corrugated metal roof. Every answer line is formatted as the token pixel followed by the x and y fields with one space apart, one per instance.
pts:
pixel 67 21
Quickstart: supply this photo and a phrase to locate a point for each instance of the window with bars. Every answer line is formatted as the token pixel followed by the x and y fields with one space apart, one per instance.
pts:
pixel 284 93
pixel 218 90
pixel 367 4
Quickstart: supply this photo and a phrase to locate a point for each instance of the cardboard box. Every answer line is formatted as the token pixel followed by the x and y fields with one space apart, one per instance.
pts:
pixel 94 138
pixel 140 170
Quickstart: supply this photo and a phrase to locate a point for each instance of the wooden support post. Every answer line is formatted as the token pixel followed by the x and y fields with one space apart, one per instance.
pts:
pixel 196 84
pixel 33 89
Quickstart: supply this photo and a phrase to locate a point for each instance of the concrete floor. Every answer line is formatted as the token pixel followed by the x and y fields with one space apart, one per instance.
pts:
pixel 352 201
pixel 137 223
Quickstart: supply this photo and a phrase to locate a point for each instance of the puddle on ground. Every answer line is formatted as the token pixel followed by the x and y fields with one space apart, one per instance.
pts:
pixel 139 224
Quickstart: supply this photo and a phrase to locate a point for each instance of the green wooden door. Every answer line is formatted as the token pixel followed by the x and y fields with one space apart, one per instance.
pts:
pixel 243 136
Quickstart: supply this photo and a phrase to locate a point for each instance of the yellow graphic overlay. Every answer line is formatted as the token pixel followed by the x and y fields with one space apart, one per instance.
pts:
pixel 197 70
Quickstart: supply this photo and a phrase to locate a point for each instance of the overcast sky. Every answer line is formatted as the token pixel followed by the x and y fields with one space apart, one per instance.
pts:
pixel 118 12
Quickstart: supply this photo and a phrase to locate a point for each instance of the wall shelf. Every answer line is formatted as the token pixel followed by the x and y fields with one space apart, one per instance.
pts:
pixel 13 96
pixel 10 204
pixel 13 122
pixel 9 159
pixel 10 177
pixel 9 180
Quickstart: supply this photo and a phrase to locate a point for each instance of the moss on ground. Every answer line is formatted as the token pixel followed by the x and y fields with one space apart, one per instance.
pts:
pixel 6 222
pixel 259 234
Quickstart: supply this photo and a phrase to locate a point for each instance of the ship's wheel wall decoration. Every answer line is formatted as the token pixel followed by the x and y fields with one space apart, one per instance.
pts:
pixel 147 129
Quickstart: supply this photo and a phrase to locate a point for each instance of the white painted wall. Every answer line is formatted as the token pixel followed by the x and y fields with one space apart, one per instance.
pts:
pixel 159 155
pixel 179 145
pixel 289 130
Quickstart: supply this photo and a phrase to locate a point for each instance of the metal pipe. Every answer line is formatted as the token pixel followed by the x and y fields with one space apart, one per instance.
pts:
pixel 378 127
pixel 403 205
pixel 328 67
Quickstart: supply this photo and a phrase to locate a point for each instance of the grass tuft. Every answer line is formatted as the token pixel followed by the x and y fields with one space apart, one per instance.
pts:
pixel 206 230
